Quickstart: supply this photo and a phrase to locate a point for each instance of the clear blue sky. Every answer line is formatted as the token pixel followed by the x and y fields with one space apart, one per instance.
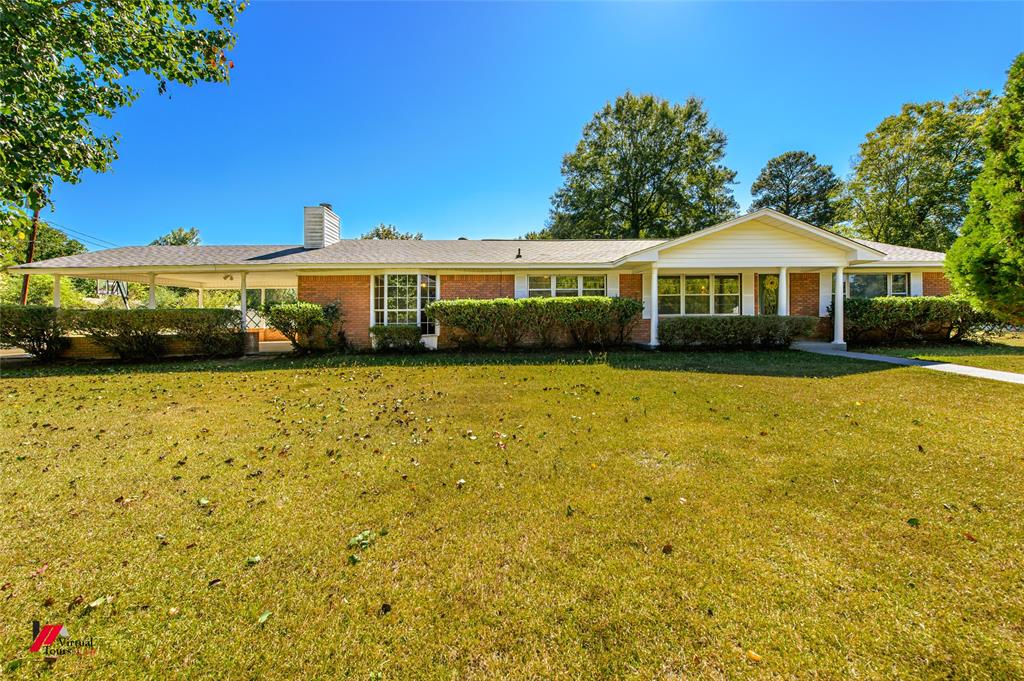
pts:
pixel 452 119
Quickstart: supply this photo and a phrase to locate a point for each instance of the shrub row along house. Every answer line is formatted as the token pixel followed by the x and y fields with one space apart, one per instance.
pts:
pixel 762 263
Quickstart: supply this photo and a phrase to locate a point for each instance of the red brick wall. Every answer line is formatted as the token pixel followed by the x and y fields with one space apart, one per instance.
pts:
pixel 352 292
pixel 632 286
pixel 803 294
pixel 935 284
pixel 477 286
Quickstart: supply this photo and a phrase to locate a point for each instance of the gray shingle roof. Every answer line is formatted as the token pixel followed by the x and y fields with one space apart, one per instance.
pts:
pixel 903 253
pixel 362 251
pixel 398 252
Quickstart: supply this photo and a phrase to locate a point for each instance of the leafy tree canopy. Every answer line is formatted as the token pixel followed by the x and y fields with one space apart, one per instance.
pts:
pixel 796 184
pixel 178 237
pixel 914 172
pixel 65 64
pixel 987 261
pixel 383 231
pixel 50 242
pixel 644 168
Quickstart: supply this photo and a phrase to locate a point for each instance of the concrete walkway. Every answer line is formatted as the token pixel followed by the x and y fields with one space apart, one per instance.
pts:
pixel 961 369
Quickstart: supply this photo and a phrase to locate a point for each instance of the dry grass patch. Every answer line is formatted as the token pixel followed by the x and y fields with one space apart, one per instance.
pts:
pixel 637 515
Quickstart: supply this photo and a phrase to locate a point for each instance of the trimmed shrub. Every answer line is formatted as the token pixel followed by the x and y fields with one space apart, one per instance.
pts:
pixel 585 317
pixel 624 315
pixel 733 332
pixel 210 332
pixel 38 330
pixel 542 318
pixel 144 334
pixel 134 335
pixel 589 320
pixel 511 321
pixel 472 321
pixel 397 337
pixel 308 326
pixel 897 319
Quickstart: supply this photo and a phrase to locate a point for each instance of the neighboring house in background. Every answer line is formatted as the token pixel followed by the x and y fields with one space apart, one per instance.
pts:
pixel 761 263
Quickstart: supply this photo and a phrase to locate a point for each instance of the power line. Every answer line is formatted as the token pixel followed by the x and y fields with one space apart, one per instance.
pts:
pixel 103 243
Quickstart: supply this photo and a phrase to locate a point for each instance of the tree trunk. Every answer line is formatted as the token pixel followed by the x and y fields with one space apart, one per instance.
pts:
pixel 30 254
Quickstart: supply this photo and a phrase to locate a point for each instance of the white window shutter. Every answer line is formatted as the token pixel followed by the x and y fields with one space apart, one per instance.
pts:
pixel 522 286
pixel 646 291
pixel 916 284
pixel 613 284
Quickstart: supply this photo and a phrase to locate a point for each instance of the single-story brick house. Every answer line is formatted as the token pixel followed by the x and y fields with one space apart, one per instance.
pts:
pixel 764 262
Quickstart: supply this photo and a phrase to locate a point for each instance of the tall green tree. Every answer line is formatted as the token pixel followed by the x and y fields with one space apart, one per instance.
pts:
pixel 63 65
pixel 987 261
pixel 383 231
pixel 914 172
pixel 178 237
pixel 50 242
pixel 645 167
pixel 796 184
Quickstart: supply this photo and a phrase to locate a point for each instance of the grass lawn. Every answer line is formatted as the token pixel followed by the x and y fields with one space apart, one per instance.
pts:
pixel 1005 353
pixel 640 515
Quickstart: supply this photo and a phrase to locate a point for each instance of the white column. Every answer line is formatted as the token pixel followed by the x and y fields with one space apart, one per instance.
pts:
pixel 56 290
pixel 245 304
pixel 152 291
pixel 783 291
pixel 201 291
pixel 654 307
pixel 837 307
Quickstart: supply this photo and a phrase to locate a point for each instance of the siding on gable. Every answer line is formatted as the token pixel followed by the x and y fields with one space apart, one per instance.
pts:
pixel 753 244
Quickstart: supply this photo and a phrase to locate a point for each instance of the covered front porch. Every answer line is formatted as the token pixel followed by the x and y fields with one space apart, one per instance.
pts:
pixel 804 290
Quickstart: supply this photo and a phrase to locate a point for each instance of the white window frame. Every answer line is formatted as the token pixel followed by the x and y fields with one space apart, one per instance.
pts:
pixel 888 283
pixel 712 305
pixel 420 319
pixel 552 288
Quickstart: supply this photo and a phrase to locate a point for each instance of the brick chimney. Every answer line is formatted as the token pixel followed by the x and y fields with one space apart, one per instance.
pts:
pixel 320 226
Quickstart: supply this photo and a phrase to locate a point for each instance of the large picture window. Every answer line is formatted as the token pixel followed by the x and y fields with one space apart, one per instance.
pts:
pixel 546 286
pixel 699 294
pixel 403 298
pixel 877 285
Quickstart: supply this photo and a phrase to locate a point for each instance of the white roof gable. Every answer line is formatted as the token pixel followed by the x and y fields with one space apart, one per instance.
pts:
pixel 762 238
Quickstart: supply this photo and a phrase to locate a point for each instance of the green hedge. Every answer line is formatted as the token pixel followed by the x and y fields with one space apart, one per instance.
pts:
pixel 308 326
pixel 397 337
pixel 130 334
pixel 896 319
pixel 143 334
pixel 506 322
pixel 37 329
pixel 726 332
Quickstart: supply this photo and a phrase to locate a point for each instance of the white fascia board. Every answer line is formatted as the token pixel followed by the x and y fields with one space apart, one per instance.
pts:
pixel 891 265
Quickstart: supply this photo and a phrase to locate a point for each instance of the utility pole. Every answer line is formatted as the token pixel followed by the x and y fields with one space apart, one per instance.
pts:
pixel 30 254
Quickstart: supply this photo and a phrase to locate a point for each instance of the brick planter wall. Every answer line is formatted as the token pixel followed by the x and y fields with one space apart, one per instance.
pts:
pixel 935 284
pixel 352 293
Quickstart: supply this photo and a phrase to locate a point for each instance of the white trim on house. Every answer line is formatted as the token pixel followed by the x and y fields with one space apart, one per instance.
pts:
pixel 771 217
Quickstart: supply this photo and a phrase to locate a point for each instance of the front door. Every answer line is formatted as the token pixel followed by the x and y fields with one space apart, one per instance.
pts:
pixel 768 294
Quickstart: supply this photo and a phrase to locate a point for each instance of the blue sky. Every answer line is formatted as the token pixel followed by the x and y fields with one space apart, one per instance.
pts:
pixel 452 119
